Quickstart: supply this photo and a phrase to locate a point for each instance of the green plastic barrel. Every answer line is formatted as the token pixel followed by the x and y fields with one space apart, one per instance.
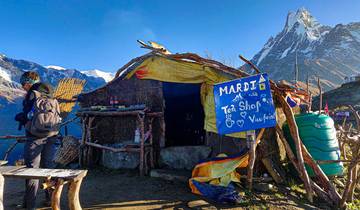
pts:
pixel 318 134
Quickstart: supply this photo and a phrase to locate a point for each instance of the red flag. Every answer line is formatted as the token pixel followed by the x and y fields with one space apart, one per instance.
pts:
pixel 326 109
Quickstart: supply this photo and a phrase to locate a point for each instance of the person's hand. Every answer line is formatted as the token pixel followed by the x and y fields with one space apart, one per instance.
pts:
pixel 20 117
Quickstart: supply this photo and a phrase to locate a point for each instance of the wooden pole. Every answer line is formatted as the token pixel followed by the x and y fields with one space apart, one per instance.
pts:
pixel 269 167
pixel 356 115
pixel 142 139
pixel 253 142
pixel 152 162
pixel 90 150
pixel 14 137
pixel 305 155
pixel 309 93
pixel 320 192
pixel 8 151
pixel 320 95
pixel 351 177
pixel 83 140
pixel 320 175
pixel 249 63
pixel 295 135
pixel 352 186
pixel 250 137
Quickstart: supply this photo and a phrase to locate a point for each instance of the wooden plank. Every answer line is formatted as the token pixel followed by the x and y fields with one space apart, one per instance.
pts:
pixel 5 169
pixel 109 113
pixel 112 149
pixel 1 192
pixel 41 173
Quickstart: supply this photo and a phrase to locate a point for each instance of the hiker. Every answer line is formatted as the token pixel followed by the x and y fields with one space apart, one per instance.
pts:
pixel 41 119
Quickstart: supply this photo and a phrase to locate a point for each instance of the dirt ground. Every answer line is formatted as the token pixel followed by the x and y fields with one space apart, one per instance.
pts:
pixel 102 189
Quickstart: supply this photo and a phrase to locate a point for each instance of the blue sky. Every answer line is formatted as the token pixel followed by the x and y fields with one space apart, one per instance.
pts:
pixel 102 34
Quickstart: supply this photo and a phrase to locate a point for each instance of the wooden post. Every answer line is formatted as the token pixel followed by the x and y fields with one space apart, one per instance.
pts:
pixel 56 195
pixel 162 132
pixel 90 150
pixel 356 115
pixel 152 162
pixel 320 192
pixel 83 145
pixel 269 167
pixel 323 180
pixel 320 95
pixel 253 142
pixel 142 135
pixel 352 186
pixel 351 177
pixel 250 137
pixel 295 135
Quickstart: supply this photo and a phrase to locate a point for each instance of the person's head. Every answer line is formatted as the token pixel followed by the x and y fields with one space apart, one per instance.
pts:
pixel 28 79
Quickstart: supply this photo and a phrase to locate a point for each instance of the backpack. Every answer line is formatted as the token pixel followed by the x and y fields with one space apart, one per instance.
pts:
pixel 46 118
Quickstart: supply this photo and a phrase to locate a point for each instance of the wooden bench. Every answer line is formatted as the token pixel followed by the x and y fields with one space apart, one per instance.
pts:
pixel 54 178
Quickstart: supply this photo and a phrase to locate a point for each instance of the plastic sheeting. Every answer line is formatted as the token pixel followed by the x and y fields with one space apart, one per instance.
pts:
pixel 213 178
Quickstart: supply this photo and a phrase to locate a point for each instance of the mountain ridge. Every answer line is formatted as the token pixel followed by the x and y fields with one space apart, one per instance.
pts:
pixel 331 53
pixel 11 70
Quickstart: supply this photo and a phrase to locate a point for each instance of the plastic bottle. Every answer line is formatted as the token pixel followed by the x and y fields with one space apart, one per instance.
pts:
pixel 111 101
pixel 116 101
pixel 137 136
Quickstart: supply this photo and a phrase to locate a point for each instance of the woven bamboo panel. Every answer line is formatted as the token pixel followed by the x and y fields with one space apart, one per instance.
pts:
pixel 65 92
pixel 68 152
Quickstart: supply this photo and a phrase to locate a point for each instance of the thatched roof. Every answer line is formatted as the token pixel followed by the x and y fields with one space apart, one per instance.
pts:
pixel 160 51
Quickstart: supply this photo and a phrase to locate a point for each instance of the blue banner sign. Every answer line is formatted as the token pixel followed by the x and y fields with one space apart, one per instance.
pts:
pixel 244 104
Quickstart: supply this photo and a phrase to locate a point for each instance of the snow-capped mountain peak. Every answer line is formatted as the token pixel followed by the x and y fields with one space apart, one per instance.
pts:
pixel 331 53
pixel 60 68
pixel 107 76
pixel 304 24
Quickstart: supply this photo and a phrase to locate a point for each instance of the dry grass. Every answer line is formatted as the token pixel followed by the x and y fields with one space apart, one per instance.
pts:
pixel 65 92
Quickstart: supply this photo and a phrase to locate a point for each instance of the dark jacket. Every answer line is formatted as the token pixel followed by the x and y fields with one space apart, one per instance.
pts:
pixel 30 97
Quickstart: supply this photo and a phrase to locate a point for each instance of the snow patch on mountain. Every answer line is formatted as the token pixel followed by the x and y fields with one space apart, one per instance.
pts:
pixel 60 68
pixel 5 74
pixel 284 54
pixel 267 48
pixel 107 76
pixel 356 35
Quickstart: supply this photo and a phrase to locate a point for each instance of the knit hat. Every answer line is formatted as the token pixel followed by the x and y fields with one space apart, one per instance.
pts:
pixel 29 77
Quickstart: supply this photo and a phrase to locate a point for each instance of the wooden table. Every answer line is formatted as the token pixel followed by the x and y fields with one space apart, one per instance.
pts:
pixel 54 178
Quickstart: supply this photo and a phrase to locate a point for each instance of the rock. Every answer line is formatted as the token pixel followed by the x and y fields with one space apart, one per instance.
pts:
pixel 118 160
pixel 200 204
pixel 183 157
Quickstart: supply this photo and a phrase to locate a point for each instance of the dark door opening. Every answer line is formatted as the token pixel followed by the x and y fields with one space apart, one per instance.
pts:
pixel 184 114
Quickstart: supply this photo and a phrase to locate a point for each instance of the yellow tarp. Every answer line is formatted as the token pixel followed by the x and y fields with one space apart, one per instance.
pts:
pixel 218 171
pixel 166 70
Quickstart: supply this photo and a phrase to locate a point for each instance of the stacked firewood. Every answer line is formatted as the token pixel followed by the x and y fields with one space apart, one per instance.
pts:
pixel 349 142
